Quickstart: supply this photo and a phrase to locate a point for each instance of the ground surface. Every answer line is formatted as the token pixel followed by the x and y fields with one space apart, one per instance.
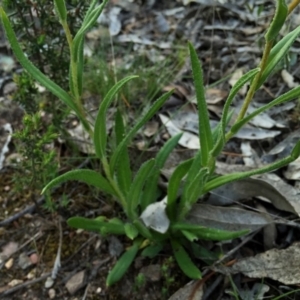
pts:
pixel 228 36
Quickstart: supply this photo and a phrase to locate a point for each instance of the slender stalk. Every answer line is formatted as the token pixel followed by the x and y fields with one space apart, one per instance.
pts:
pixel 253 86
pixel 293 5
pixel 113 183
pixel 74 74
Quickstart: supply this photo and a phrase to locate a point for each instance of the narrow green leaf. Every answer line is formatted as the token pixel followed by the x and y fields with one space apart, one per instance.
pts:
pixel 100 135
pixel 96 225
pixel 143 230
pixel 89 20
pixel 192 191
pixel 138 183
pixel 152 250
pixel 31 69
pixel 194 169
pixel 277 53
pixel 123 170
pixel 131 231
pixel 80 63
pixel 174 186
pixel 278 20
pixel 190 236
pixel 161 157
pixel 123 264
pixel 195 188
pixel 201 252
pixel 116 221
pixel 296 151
pixel 85 175
pixel 60 10
pixel 205 135
pixel 219 181
pixel 184 261
pixel 205 233
pixel 119 127
pixel 86 224
pixel 139 123
pixel 288 96
pixel 92 6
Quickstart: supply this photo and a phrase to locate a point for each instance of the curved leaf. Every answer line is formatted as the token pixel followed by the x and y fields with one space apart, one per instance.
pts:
pixel 31 69
pixel 205 134
pixel 96 225
pixel 160 159
pixel 85 175
pixel 277 53
pixel 174 186
pixel 100 135
pixel 123 264
pixel 205 233
pixel 184 261
pixel 139 123
pixel 60 9
pixel 213 184
pixel 138 183
pixel 123 170
pixel 290 95
pixel 233 92
pixel 278 20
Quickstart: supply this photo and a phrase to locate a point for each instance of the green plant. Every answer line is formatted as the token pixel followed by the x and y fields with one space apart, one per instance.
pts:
pixel 139 282
pixel 38 164
pixel 148 223
pixel 167 276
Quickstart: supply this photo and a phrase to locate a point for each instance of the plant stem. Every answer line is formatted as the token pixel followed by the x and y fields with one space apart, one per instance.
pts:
pixel 253 86
pixel 113 183
pixel 293 5
pixel 74 74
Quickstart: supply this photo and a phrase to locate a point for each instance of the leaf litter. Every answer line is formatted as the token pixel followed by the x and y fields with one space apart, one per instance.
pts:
pixel 222 46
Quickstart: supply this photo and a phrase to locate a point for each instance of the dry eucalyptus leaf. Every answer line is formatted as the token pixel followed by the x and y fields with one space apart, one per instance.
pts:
pixel 226 218
pixel 293 170
pixel 283 149
pixel 82 139
pixel 281 265
pixel 262 120
pixel 249 155
pixel 191 291
pixel 188 140
pixel 289 200
pixel 282 195
pixel 252 133
pixel 151 128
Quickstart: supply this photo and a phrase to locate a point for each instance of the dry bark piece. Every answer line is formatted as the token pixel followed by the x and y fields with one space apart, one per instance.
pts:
pixel 76 282
pixel 191 291
pixel 281 265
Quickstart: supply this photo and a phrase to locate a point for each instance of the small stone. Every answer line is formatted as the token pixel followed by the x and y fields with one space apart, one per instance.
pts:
pixel 76 282
pixel 52 293
pixel 31 274
pixel 49 282
pixel 152 272
pixel 15 282
pixel 34 258
pixel 9 263
pixel 115 247
pixel 24 261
